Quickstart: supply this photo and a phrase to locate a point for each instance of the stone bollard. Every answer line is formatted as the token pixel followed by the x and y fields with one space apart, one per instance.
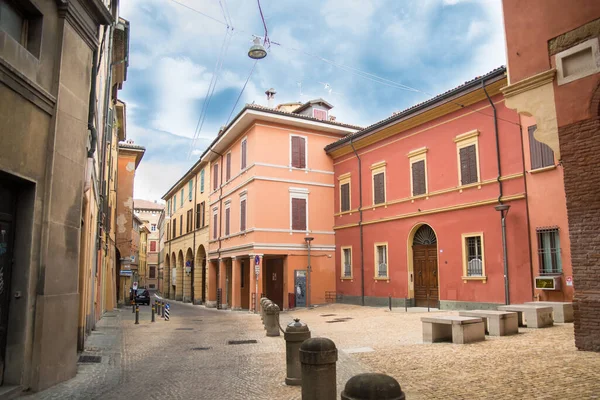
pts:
pixel 295 333
pixel 372 386
pixel 263 312
pixel 317 358
pixel 272 319
pixel 262 308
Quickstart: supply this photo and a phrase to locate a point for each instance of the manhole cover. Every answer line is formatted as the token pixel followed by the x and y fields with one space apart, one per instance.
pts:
pixel 200 348
pixel 250 341
pixel 184 329
pixel 328 315
pixel 90 359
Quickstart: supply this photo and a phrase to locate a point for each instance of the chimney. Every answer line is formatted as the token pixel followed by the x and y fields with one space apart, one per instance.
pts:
pixel 332 118
pixel 270 97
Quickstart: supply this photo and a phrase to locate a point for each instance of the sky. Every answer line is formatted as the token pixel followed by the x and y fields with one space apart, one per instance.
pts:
pixel 367 58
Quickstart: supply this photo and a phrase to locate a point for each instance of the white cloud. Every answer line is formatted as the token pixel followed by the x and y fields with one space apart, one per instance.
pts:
pixel 153 179
pixel 350 15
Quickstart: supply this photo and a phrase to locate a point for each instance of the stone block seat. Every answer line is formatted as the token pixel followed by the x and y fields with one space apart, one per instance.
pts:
pixel 535 316
pixel 496 323
pixel 459 330
pixel 562 311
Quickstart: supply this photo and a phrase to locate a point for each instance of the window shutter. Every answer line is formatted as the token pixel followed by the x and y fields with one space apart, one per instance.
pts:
pixel 418 178
pixel 197 216
pixel 244 144
pixel 379 188
pixel 181 224
pixel 152 245
pixel 468 165
pixel 215 176
pixel 227 220
pixel 243 215
pixel 202 214
pixel 302 152
pixel 541 154
pixel 464 166
pixel 345 197
pixel 215 226
pixel 228 173
pixel 298 214
pixel 181 199
pixel 472 163
pixel 296 152
pixel 202 181
pixel 190 188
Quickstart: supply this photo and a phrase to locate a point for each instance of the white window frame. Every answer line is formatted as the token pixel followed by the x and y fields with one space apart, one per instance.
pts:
pixel 298 193
pixel 376 169
pixel 244 197
pixel 376 262
pixel 244 140
pixel 591 44
pixel 465 256
pixel 215 213
pixel 413 157
pixel 227 207
pixel 153 227
pixel 343 179
pixel 465 140
pixel 343 266
pixel 228 166
pixel 305 152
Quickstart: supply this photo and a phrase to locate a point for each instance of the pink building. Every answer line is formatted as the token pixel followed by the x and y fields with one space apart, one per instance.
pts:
pixel 272 190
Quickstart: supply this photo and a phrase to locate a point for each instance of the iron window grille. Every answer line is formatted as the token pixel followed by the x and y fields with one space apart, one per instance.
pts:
pixel 474 256
pixel 347 263
pixel 549 254
pixel 382 271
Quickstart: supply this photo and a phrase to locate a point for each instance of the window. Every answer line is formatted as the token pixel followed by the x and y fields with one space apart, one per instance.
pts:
pixel 468 164
pixel 418 171
pixel 549 251
pixel 152 272
pixel 243 214
pixel 153 227
pixel 174 203
pixel 153 245
pixel 298 151
pixel 181 225
pixel 216 177
pixel 190 188
pixel 203 214
pixel 244 146
pixel 319 114
pixel 378 173
pixel 228 170
pixel 174 235
pixel 181 200
pixel 202 181
pixel 541 154
pixel 299 209
pixel 215 219
pixel 168 207
pixel 344 192
pixel 152 286
pixel 346 262
pixel 473 256
pixel 190 220
pixel 227 219
pixel 23 22
pixel 578 61
pixel 381 261
pixel 198 215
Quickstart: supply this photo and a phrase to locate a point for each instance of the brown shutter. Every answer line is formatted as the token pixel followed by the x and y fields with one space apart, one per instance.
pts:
pixel 468 165
pixel 244 144
pixel 379 188
pixel 243 215
pixel 464 166
pixel 202 215
pixel 473 163
pixel 299 214
pixel 216 177
pixel 228 157
pixel 345 197
pixel 302 152
pixel 181 224
pixel 227 220
pixel 197 216
pixel 296 151
pixel 215 226
pixel 418 178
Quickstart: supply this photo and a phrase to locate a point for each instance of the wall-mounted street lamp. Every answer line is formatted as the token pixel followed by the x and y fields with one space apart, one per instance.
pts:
pixel 503 209
pixel 308 239
pixel 257 50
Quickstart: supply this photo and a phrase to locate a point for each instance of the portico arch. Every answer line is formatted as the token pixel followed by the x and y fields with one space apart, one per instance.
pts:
pixel 166 281
pixel 199 276
pixel 423 270
pixel 179 277
pixel 187 276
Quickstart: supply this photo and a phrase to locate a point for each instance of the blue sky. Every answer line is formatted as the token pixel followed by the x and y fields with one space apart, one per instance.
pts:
pixel 428 45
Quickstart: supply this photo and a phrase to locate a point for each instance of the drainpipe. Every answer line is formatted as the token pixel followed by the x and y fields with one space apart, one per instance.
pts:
pixel 92 106
pixel 500 207
pixel 194 251
pixel 360 225
pixel 527 211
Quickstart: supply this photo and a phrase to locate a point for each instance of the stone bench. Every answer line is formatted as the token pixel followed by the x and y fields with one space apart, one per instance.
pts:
pixel 459 330
pixel 563 311
pixel 535 316
pixel 496 323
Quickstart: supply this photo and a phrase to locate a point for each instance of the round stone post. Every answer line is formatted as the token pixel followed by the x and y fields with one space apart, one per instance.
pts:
pixel 372 386
pixel 295 333
pixel 317 358
pixel 272 319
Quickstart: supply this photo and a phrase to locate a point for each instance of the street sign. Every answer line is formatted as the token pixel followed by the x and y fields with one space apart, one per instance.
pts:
pixel 256 260
pixel 569 281
pixel 126 272
pixel 135 285
pixel 257 269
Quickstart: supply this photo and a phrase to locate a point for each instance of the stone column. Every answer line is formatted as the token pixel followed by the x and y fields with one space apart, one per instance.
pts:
pixel 223 282
pixel 236 279
pixel 211 279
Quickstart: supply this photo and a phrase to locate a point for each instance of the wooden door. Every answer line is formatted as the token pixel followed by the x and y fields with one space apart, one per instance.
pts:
pixel 426 275
pixel 7 215
pixel 274 281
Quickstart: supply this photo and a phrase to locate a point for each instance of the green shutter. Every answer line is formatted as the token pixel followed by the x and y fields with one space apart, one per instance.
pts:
pixel 174 203
pixel 190 186
pixel 181 201
pixel 202 181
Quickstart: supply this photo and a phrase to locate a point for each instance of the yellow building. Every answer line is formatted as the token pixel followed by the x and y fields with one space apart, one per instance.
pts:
pixel 186 236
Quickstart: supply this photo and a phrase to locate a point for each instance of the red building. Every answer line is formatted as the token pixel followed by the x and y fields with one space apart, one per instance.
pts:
pixel 421 198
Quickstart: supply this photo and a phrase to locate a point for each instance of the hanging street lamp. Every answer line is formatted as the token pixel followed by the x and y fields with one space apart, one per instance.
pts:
pixel 257 51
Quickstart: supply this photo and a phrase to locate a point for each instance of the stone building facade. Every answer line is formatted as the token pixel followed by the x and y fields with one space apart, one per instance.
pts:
pixel 48 54
pixel 150 212
pixel 554 77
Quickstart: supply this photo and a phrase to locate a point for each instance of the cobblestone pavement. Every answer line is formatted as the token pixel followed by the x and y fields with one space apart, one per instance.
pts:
pixel 188 357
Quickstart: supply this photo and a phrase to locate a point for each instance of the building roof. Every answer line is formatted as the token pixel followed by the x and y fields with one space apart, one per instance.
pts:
pixel 473 84
pixel 313 102
pixel 141 204
pixel 291 114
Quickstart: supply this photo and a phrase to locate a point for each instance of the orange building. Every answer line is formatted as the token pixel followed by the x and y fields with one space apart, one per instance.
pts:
pixel 272 190
pixel 431 205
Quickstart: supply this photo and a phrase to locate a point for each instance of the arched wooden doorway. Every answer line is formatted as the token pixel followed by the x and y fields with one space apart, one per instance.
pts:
pixel 425 266
pixel 199 276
